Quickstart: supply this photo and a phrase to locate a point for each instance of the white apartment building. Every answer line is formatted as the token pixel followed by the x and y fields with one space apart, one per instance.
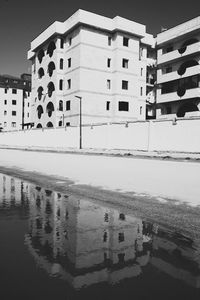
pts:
pixel 15 102
pixel 178 74
pixel 103 61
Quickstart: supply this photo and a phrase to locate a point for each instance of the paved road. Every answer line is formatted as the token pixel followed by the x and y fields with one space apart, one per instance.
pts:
pixel 175 180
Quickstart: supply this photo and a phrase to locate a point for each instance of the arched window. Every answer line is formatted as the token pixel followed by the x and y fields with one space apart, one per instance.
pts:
pixel 51 68
pixel 49 124
pixel 40 72
pixel 60 84
pixel 187 43
pixel 40 55
pixel 185 65
pixel 40 111
pixel 61 63
pixel 50 109
pixel 39 125
pixel 51 88
pixel 51 48
pixel 61 43
pixel 60 105
pixel 40 92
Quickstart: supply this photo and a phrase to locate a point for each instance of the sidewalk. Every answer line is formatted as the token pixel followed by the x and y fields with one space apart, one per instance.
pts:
pixel 163 155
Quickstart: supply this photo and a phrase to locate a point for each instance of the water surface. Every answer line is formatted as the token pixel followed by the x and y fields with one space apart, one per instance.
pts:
pixel 56 246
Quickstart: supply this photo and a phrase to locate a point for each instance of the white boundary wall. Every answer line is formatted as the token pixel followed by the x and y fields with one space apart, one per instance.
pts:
pixel 147 136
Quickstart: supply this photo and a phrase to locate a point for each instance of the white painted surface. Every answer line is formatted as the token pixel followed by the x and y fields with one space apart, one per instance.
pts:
pixel 175 180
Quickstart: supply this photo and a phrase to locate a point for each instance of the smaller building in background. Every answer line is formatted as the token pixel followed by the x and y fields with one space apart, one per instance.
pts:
pixel 178 71
pixel 15 102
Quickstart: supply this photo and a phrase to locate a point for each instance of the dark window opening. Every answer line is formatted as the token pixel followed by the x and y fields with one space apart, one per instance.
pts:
pixel 67 124
pixel 168 110
pixel 121 257
pixel 125 63
pixel 40 55
pixel 125 41
pixel 121 237
pixel 108 105
pixel 14 102
pixel 51 88
pixel 122 217
pixel 123 106
pixel 14 113
pixel 40 111
pixel 40 72
pixel 68 104
pixel 60 105
pixel 39 125
pixel 51 68
pixel 124 85
pixel 14 91
pixel 40 92
pixel 60 84
pixel 108 62
pixel 69 62
pixel 168 70
pixel 69 84
pixel 60 123
pixel 51 48
pixel 49 124
pixel 61 43
pixel 61 63
pixel 106 217
pixel 5 91
pixel 105 236
pixel 50 109
pixel 109 40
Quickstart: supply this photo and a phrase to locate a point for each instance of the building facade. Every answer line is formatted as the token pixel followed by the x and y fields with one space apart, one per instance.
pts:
pixel 102 61
pixel 15 102
pixel 178 73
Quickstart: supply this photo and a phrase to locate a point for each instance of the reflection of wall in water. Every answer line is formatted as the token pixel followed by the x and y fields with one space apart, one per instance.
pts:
pixel 13 192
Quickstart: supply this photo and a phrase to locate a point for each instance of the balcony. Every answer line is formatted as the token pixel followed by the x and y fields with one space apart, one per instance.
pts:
pixel 179 53
pixel 171 97
pixel 174 75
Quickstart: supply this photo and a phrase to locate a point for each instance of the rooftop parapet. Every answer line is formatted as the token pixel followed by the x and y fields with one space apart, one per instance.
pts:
pixel 90 19
pixel 179 30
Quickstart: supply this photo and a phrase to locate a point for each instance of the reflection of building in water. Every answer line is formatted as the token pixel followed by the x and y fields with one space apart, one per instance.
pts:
pixel 87 243
pixel 84 242
pixel 13 193
pixel 174 254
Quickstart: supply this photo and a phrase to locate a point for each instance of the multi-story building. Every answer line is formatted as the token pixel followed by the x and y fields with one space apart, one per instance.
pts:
pixel 15 104
pixel 178 74
pixel 103 61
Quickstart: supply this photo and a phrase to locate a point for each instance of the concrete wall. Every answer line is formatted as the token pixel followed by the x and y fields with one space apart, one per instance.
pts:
pixel 152 136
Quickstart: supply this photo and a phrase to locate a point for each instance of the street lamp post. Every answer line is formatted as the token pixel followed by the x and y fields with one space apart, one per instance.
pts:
pixel 80 121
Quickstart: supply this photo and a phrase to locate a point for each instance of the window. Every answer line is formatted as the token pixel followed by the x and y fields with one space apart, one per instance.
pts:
pixel 14 113
pixel 108 62
pixel 5 91
pixel 68 124
pixel 140 110
pixel 5 113
pixel 69 84
pixel 60 84
pixel 108 84
pixel 168 70
pixel 68 104
pixel 5 124
pixel 28 104
pixel 60 123
pixel 141 72
pixel 61 63
pixel 108 105
pixel 106 217
pixel 125 41
pixel 61 43
pixel 14 102
pixel 60 105
pixel 141 53
pixel 69 41
pixel 169 49
pixel 124 85
pixel 105 236
pixel 121 237
pixel 109 40
pixel 27 115
pixel 125 63
pixel 123 106
pixel 69 62
pixel 13 124
pixel 168 110
pixel 122 217
pixel 14 91
pixel 141 91
pixel 5 102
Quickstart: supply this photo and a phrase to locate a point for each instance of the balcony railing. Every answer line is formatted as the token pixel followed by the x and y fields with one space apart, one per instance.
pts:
pixel 185 94
pixel 176 54
pixel 175 76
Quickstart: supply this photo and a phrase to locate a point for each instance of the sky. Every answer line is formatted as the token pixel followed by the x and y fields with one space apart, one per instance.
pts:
pixel 23 20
